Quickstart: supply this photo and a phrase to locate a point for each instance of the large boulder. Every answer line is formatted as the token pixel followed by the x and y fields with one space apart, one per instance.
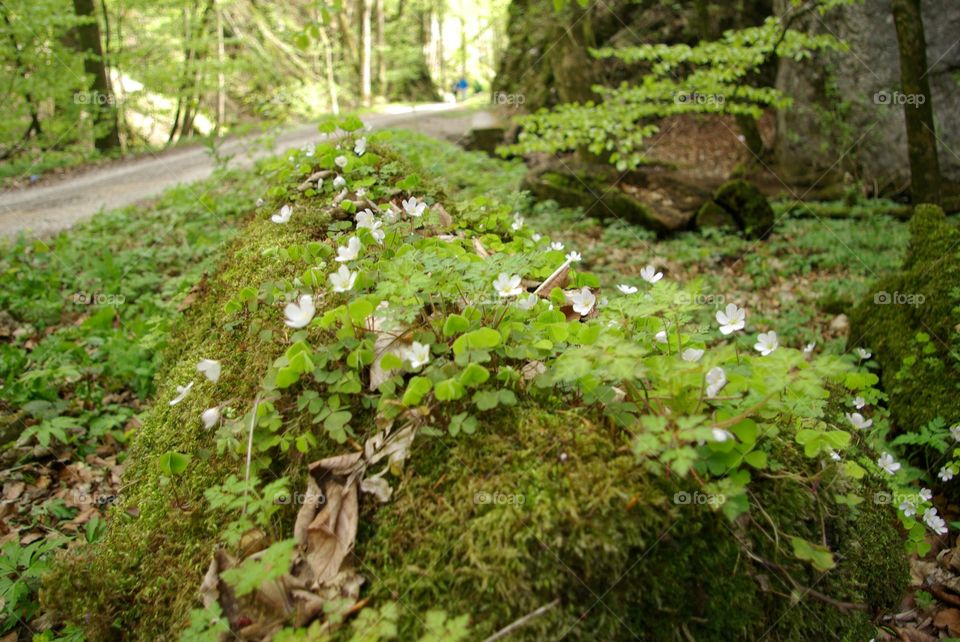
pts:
pixel 910 321
pixel 543 486
pixel 845 117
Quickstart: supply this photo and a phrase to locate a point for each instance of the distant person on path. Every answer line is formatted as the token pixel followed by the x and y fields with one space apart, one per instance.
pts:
pixel 460 89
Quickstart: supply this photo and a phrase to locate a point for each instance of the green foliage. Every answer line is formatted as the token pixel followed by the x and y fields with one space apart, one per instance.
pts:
pixel 21 568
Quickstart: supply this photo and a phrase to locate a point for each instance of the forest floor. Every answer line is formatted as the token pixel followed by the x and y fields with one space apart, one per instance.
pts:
pixel 47 209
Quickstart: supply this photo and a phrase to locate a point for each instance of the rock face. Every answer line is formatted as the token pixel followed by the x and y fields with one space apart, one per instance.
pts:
pixel 846 117
pixel 910 321
pixel 738 203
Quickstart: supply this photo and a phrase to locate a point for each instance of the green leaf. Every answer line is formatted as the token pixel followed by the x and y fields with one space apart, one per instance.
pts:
pixel 455 324
pixel 286 377
pixel 359 310
pixel 391 361
pixel 173 463
pixel 449 390
pixel 337 420
pixel 351 124
pixel 482 339
pixel 474 375
pixel 819 556
pixel 417 388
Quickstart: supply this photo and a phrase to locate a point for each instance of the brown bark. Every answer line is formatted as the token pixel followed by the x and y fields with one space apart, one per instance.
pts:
pixel 102 102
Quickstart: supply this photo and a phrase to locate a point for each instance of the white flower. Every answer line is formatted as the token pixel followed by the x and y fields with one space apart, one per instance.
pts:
pixel 283 215
pixel 857 420
pixel 661 337
pixel 574 257
pixel 807 349
pixel 716 380
pixel 418 354
pixel 507 285
pixel 859 402
pixel 339 182
pixel 341 161
pixel 350 251
pixel 863 354
pixel 210 417
pixel 413 208
pixel 945 474
pixel 343 279
pixel 309 150
pixel 888 464
pixel 528 302
pixel 721 435
pixel 365 218
pixel 627 289
pixel 691 354
pixel 210 368
pixel 299 315
pixel 926 494
pixel 955 432
pixel 650 274
pixel 731 319
pixel 360 146
pixel 583 301
pixel 834 455
pixel 766 343
pixel 260 202
pixel 517 224
pixel 361 192
pixel 181 393
pixel 536 237
pixel 556 246
pixel 934 522
pixel 909 510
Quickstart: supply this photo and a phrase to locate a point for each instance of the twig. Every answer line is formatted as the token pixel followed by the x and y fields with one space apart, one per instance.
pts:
pixel 246 476
pixel 510 628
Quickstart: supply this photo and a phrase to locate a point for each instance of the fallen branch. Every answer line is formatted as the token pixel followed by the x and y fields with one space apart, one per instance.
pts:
pixel 510 628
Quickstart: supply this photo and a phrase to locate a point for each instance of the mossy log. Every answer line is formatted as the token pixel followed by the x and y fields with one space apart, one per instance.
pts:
pixel 738 204
pixel 585 525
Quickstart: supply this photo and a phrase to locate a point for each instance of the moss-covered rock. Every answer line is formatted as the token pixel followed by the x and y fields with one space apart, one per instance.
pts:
pixel 541 503
pixel 911 323
pixel 738 203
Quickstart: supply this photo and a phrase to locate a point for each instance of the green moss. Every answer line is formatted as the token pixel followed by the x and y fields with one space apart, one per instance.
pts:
pixel 741 203
pixel 910 321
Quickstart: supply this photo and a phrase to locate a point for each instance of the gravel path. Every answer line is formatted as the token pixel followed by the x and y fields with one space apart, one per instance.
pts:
pixel 47 209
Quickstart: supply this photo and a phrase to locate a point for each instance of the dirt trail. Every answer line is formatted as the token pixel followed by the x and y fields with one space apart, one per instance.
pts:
pixel 47 209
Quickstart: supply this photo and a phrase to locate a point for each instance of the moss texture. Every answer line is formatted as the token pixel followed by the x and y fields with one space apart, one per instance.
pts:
pixel 740 203
pixel 594 531
pixel 911 323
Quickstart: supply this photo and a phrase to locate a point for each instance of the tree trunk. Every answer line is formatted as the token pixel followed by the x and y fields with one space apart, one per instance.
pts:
pixel 917 105
pixel 221 76
pixel 381 50
pixel 101 100
pixel 366 53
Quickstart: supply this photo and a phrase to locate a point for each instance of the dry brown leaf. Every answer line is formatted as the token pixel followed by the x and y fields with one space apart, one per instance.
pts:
pixel 478 246
pixel 445 219
pixel 556 280
pixel 13 490
pixel 948 619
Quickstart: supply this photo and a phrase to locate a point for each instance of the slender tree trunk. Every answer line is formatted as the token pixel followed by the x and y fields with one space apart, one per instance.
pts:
pixel 221 76
pixel 917 105
pixel 106 136
pixel 366 52
pixel 381 50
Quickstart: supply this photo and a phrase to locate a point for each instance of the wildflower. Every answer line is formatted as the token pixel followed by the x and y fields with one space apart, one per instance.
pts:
pixel 583 301
pixel 536 237
pixel 309 150
pixel 955 432
pixel 926 494
pixel 343 279
pixel 181 393
pixel 731 319
pixel 909 510
pixel 418 354
pixel 517 224
pixel 859 402
pixel 888 464
pixel 300 314
pixel 574 257
pixel 341 161
pixel 210 417
pixel 934 522
pixel 691 354
pixel 834 455
pixel 365 218
pixel 413 208
pixel 360 147
pixel 210 368
pixel 361 192
pixel 528 302
pixel 260 202
pixel 283 215
pixel 766 343
pixel 945 474
pixel 627 289
pixel 857 420
pixel 807 349
pixel 339 182
pixel 721 435
pixel 350 251
pixel 650 274
pixel 716 380
pixel 556 246
pixel 661 337
pixel 863 354
pixel 507 285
